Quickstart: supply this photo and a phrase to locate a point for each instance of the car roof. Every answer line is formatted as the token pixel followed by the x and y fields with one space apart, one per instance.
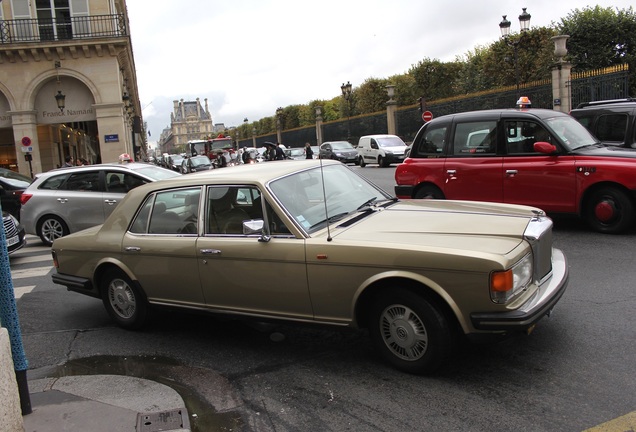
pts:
pixel 131 166
pixel 259 173
pixel 627 102
pixel 506 112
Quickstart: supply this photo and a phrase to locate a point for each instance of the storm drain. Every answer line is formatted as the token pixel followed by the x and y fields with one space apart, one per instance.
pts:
pixel 161 421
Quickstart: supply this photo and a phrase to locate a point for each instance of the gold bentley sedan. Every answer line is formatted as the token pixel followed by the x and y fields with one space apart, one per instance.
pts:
pixel 311 241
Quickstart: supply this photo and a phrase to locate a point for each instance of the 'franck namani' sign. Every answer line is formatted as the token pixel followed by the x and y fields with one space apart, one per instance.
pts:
pixel 79 103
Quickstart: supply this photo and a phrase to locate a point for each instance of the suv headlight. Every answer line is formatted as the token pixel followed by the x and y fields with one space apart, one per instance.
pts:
pixel 505 285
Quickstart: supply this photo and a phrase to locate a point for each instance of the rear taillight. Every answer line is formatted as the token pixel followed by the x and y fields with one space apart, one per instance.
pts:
pixel 24 198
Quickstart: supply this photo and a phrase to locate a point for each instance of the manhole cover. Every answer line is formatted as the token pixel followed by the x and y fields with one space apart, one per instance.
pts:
pixel 160 421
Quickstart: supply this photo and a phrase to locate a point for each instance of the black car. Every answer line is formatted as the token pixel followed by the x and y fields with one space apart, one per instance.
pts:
pixel 613 122
pixel 12 184
pixel 196 163
pixel 13 231
pixel 342 151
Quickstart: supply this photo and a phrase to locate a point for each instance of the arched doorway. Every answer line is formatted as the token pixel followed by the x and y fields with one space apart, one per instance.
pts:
pixel 68 131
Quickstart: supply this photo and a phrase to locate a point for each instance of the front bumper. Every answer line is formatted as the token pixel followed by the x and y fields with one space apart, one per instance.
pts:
pixel 404 191
pixel 538 306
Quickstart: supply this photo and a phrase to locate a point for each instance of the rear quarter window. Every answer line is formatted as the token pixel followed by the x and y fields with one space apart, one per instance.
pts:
pixel 54 183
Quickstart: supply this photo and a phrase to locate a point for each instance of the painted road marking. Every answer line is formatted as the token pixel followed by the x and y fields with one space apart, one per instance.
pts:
pixel 18 292
pixel 626 423
pixel 32 272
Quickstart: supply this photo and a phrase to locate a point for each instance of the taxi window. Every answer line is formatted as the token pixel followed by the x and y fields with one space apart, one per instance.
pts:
pixel 474 139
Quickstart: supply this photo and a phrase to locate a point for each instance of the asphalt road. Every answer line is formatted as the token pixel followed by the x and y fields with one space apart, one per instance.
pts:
pixel 574 372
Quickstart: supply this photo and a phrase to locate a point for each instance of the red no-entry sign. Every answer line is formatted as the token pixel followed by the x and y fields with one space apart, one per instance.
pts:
pixel 427 116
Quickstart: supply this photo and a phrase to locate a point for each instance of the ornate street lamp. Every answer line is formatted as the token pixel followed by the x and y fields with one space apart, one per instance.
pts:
pixel 346 94
pixel 60 98
pixel 524 25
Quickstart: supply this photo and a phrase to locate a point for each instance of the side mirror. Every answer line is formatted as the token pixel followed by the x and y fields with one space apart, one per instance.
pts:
pixel 253 226
pixel 544 147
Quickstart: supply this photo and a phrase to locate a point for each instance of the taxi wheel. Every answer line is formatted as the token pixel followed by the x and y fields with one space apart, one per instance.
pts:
pixel 428 192
pixel 410 332
pixel 123 300
pixel 50 228
pixel 609 210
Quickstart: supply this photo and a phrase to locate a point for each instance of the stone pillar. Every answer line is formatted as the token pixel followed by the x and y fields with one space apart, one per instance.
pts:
pixel 561 76
pixel 25 126
pixel 391 111
pixel 111 123
pixel 318 125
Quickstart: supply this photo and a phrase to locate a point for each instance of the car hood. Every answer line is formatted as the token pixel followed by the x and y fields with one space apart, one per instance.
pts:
pixel 606 151
pixel 461 225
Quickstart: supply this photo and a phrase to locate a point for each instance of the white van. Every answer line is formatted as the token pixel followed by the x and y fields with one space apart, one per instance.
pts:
pixel 381 149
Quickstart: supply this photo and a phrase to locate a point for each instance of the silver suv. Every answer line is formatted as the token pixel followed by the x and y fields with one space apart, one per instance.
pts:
pixel 67 200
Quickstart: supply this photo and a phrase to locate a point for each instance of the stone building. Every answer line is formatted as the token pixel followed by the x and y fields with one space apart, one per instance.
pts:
pixel 67 84
pixel 188 121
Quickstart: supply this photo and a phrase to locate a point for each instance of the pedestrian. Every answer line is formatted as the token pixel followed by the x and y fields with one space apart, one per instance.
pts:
pixel 309 153
pixel 68 161
pixel 274 152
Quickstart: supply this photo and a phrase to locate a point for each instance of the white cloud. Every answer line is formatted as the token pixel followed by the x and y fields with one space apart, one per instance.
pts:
pixel 248 57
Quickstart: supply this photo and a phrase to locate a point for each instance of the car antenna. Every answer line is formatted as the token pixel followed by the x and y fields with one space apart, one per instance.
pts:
pixel 324 199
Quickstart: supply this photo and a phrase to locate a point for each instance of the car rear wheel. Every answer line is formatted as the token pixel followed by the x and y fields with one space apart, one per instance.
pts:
pixel 410 332
pixel 362 162
pixel 123 300
pixel 50 228
pixel 428 192
pixel 609 210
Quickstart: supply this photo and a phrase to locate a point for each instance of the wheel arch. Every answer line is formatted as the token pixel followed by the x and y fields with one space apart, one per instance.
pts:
pixel 585 196
pixel 111 264
pixel 428 290
pixel 425 184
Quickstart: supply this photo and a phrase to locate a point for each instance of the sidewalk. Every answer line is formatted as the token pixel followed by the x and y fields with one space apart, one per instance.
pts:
pixel 101 403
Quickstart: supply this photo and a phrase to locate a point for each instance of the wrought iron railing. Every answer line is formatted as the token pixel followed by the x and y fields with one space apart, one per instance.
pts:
pixel 62 29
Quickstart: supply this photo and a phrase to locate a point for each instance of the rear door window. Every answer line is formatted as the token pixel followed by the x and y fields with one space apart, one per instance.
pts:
pixel 474 139
pixel 612 127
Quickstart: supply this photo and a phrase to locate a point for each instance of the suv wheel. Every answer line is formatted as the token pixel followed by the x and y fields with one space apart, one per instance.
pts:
pixel 609 210
pixel 50 228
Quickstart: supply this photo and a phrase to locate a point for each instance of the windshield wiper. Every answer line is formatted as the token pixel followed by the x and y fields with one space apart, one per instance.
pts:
pixel 330 219
pixel 373 203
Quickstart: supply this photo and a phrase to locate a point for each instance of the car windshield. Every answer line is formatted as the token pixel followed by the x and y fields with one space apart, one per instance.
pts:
pixel 15 179
pixel 200 161
pixel 341 145
pixel 390 142
pixel 312 206
pixel 156 173
pixel 573 134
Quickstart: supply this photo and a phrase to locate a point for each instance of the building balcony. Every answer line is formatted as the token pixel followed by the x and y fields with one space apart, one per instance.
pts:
pixel 59 30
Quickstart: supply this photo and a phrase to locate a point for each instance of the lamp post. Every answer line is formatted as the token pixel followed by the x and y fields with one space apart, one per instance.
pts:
pixel 318 125
pixel 391 110
pixel 504 26
pixel 60 98
pixel 279 124
pixel 254 137
pixel 346 94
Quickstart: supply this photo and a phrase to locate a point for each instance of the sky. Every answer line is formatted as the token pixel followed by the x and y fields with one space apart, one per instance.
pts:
pixel 248 57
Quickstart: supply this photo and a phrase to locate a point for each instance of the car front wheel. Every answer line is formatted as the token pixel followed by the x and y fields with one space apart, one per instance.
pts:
pixel 50 228
pixel 610 210
pixel 123 300
pixel 362 162
pixel 410 332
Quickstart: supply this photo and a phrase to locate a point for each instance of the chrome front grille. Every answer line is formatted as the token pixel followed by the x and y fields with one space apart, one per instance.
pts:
pixel 10 228
pixel 539 234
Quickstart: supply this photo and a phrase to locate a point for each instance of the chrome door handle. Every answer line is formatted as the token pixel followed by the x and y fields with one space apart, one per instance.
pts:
pixel 62 200
pixel 210 252
pixel 132 249
pixel 110 201
pixel 451 172
pixel 511 172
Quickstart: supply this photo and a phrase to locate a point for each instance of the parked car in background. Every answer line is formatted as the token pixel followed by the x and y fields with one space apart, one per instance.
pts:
pixel 380 149
pixel 316 151
pixel 13 232
pixel 613 122
pixel 195 164
pixel 341 151
pixel 12 184
pixel 296 153
pixel 537 157
pixel 311 241
pixel 67 200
